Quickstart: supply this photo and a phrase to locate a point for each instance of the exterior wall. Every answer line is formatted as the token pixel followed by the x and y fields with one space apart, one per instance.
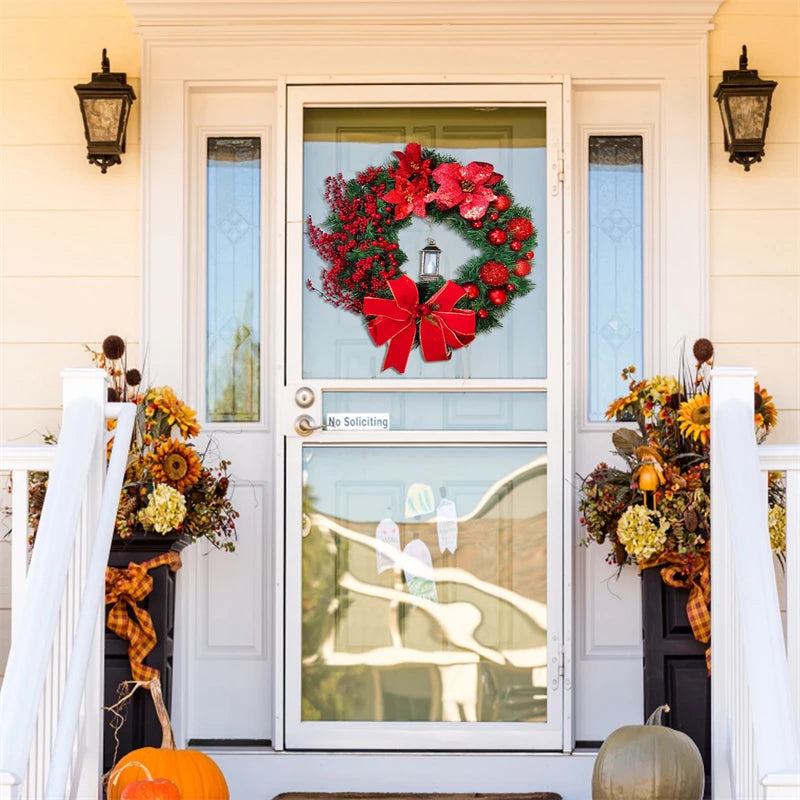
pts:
pixel 755 216
pixel 69 236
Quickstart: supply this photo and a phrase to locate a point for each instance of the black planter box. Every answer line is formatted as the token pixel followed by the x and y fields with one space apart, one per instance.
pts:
pixel 675 665
pixel 141 727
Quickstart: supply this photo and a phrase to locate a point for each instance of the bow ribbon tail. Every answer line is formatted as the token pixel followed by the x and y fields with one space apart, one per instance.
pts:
pixel 698 606
pixel 399 348
pixel 124 589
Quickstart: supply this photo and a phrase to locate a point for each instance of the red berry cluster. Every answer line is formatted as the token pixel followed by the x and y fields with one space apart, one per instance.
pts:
pixel 359 256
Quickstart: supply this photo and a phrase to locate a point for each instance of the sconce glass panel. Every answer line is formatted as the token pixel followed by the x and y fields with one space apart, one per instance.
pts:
pixel 615 269
pixel 233 318
pixel 102 117
pixel 748 114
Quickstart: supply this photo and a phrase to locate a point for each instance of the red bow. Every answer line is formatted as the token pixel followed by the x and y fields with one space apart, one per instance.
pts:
pixel 442 328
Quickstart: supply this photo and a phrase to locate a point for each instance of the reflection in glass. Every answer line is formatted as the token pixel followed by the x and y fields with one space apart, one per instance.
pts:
pixel 233 323
pixel 615 266
pixel 424 584
pixel 449 411
pixel 347 141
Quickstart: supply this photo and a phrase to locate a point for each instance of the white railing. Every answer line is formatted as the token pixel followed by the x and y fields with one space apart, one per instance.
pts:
pixel 754 680
pixel 51 698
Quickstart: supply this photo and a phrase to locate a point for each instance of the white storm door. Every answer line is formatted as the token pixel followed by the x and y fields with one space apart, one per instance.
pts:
pixel 424 543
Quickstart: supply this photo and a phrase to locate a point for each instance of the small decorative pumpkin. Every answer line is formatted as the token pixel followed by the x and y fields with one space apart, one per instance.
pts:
pixel 196 775
pixel 151 789
pixel 648 762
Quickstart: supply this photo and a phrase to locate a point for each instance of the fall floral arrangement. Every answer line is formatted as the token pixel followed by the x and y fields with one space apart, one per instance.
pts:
pixel 169 486
pixel 654 508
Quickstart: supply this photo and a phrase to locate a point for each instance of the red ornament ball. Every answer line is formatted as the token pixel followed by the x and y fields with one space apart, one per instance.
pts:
pixel 522 268
pixel 477 224
pixel 497 236
pixel 510 287
pixel 521 228
pixel 493 273
pixel 483 313
pixel 498 296
pixel 515 246
pixel 494 216
pixel 502 202
pixel 529 255
pixel 472 290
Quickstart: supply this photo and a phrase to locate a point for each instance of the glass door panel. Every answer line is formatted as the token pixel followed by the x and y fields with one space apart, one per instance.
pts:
pixel 423 510
pixel 348 140
pixel 424 584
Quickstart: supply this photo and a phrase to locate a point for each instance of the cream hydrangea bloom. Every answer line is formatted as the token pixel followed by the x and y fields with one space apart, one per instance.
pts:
pixel 165 509
pixel 777 528
pixel 642 532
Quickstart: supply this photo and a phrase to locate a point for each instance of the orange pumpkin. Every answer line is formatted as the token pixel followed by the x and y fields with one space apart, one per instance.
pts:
pixel 196 775
pixel 156 789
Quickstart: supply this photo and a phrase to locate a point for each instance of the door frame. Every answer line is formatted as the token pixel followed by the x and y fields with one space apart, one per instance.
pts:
pixel 553 90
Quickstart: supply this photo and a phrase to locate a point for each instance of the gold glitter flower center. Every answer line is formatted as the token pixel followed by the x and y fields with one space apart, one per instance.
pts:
pixel 175 466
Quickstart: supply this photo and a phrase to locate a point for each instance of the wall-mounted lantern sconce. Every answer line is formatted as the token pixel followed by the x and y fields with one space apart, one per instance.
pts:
pixel 744 102
pixel 105 107
pixel 429 262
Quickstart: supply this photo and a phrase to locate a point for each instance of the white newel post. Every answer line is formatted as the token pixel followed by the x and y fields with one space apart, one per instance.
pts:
pixel 726 384
pixel 754 729
pixel 87 782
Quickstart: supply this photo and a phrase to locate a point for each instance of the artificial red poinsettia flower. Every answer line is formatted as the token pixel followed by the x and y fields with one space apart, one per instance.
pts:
pixel 467 187
pixel 410 164
pixel 407 197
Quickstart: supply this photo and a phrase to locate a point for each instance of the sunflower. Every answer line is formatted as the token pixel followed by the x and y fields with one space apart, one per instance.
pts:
pixel 162 398
pixel 174 463
pixel 695 418
pixel 766 414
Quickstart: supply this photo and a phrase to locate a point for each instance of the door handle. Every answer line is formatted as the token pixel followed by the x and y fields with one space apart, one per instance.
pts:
pixel 305 426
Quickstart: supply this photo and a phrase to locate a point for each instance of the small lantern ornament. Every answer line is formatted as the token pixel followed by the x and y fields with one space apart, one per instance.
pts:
pixel 429 261
pixel 744 103
pixel 105 107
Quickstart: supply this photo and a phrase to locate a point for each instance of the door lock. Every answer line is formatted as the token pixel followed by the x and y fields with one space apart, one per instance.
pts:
pixel 304 397
pixel 305 426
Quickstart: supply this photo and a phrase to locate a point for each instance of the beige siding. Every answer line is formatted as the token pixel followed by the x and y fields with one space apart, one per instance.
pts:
pixel 69 238
pixel 755 216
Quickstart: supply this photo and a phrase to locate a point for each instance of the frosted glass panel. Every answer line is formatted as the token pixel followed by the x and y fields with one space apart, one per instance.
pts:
pixel 347 141
pixel 233 333
pixel 424 584
pixel 615 266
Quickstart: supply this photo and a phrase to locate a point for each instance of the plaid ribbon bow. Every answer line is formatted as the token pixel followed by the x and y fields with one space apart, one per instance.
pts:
pixel 125 588
pixel 698 582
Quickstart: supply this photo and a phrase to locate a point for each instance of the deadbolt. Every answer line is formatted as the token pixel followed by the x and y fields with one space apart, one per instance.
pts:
pixel 304 397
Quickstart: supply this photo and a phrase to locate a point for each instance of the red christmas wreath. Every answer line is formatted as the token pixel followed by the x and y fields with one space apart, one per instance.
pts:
pixel 359 243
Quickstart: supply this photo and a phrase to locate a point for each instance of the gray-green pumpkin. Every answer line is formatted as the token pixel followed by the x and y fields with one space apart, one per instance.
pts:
pixel 648 762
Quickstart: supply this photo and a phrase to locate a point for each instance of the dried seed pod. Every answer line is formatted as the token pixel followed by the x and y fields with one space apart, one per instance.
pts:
pixel 690 520
pixel 113 347
pixel 703 351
